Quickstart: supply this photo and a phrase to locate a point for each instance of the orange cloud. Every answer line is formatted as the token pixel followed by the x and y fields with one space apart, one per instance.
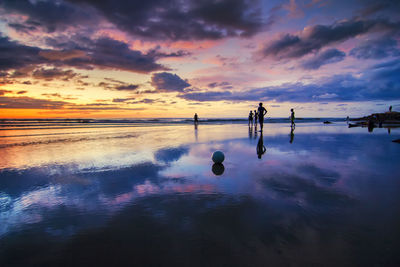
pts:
pixel 62 55
pixel 191 45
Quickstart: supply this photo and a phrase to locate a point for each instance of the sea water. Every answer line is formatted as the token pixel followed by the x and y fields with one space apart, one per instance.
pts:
pixel 146 193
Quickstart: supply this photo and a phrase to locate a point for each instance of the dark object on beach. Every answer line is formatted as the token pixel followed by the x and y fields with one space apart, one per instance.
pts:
pixel 327 122
pixel 386 118
pixel 371 126
pixel 196 118
pixel 396 141
pixel 351 125
pixel 218 168
pixel 390 109
pixel 218 157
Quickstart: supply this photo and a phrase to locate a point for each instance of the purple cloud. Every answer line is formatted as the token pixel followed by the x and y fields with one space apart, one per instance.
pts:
pixel 168 82
pixel 103 53
pixel 380 82
pixel 153 19
pixel 49 16
pixel 376 49
pixel 54 73
pixel 328 56
pixel 316 37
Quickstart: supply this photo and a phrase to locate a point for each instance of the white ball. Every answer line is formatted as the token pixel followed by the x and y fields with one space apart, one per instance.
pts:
pixel 218 157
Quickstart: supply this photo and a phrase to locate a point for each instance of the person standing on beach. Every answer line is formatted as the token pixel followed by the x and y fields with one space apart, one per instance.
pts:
pixel 390 109
pixel 261 113
pixel 251 118
pixel 292 118
pixel 196 119
pixel 255 118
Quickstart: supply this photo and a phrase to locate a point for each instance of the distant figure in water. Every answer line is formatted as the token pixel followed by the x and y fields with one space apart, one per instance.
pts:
pixel 251 118
pixel 255 118
pixel 292 119
pixel 196 119
pixel 260 147
pixel 291 134
pixel 390 109
pixel 261 113
pixel 347 119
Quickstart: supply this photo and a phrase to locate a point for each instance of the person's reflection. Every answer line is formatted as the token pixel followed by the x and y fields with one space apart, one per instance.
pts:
pixel 388 130
pixel 250 132
pixel 260 146
pixel 291 134
pixel 195 132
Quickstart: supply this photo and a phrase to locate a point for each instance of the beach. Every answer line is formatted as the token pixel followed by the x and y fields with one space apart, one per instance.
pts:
pixel 148 194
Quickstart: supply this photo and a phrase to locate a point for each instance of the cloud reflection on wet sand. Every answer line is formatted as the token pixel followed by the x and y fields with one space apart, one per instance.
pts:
pixel 317 200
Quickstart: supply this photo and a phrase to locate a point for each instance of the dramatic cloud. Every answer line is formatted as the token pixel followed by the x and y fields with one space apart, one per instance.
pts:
pixel 47 15
pixel 101 53
pixel 181 20
pixel 222 85
pixel 381 82
pixel 313 38
pixel 376 49
pixel 326 57
pixel 14 55
pixel 63 54
pixel 168 82
pixel 3 92
pixel 118 85
pixel 121 100
pixel 30 103
pixel 128 87
pixel 54 73
pixel 36 103
pixel 153 19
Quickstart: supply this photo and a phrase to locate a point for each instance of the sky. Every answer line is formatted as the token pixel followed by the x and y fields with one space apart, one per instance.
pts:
pixel 217 58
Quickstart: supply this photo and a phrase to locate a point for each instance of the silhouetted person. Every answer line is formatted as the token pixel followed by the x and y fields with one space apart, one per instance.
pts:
pixel 261 113
pixel 260 146
pixel 292 118
pixel 390 109
pixel 255 118
pixel 251 118
pixel 196 119
pixel 347 119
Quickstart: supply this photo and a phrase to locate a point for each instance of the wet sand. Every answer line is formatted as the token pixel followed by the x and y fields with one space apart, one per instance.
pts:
pixel 147 196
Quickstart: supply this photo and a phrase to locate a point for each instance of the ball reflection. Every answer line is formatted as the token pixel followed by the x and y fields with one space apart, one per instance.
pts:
pixel 218 168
